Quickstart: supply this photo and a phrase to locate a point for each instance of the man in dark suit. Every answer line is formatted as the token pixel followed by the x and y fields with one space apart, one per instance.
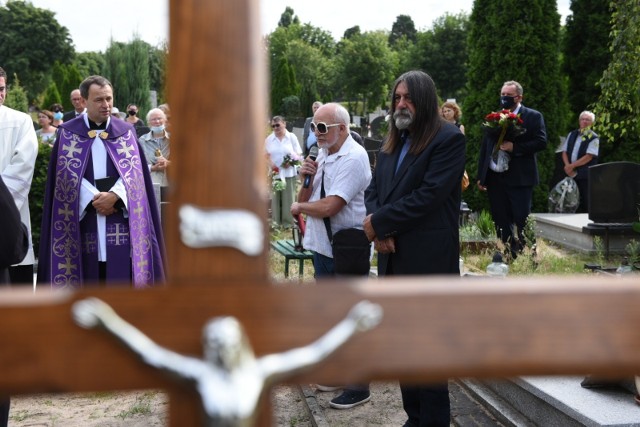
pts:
pixel 511 191
pixel 413 204
pixel 78 106
pixel 306 133
pixel 13 248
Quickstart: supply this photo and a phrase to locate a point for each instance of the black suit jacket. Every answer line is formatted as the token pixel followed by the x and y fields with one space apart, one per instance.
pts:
pixel 523 167
pixel 419 205
pixel 69 115
pixel 14 242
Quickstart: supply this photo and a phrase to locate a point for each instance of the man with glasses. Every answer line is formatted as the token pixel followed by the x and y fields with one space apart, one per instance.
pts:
pixel 156 146
pixel 413 204
pixel 339 176
pixel 78 106
pixel 511 191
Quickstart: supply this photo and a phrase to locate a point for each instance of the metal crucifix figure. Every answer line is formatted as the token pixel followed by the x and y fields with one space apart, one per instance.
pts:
pixel 230 379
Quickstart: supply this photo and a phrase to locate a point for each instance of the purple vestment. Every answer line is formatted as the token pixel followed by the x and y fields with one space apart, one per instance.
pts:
pixel 68 247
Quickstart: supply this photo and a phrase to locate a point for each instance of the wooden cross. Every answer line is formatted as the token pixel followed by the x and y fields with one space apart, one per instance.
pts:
pixel 433 328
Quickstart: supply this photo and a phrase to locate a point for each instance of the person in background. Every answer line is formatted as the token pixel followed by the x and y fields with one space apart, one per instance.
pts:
pixel 132 116
pixel 579 151
pixel 309 138
pixel 13 247
pixel 78 106
pixel 58 116
pixel 342 168
pixel 278 145
pixel 451 112
pixel 413 204
pixel 18 152
pixel 87 196
pixel 511 191
pixel 47 132
pixel 116 113
pixel 156 146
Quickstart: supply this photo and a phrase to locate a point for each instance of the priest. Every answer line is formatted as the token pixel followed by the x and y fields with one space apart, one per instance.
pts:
pixel 100 222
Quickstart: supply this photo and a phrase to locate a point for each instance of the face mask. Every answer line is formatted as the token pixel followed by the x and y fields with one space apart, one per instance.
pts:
pixel 157 129
pixel 132 112
pixel 57 116
pixel 507 101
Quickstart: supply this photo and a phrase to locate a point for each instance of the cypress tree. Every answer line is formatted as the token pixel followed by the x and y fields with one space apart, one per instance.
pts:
pixel 586 53
pixel 514 40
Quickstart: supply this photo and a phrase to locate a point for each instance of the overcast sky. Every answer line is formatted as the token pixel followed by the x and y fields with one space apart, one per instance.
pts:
pixel 93 24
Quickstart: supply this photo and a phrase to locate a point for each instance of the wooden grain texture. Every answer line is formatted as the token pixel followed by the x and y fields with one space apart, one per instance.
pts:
pixel 218 123
pixel 433 329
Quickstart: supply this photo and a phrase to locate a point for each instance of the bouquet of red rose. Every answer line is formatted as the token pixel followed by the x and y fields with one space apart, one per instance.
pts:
pixel 503 123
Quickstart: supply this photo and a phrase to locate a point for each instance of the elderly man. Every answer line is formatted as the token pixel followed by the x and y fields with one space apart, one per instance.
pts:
pixel 100 221
pixel 579 151
pixel 78 106
pixel 339 177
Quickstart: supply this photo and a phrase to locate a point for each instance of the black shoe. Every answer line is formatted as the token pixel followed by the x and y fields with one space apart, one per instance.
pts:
pixel 350 398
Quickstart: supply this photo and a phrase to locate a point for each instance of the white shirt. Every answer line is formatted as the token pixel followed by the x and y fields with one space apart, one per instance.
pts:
pixel 278 149
pixel 593 148
pixel 347 174
pixel 18 152
pixel 88 190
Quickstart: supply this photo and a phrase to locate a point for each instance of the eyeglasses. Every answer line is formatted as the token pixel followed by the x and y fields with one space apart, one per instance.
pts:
pixel 322 127
pixel 276 126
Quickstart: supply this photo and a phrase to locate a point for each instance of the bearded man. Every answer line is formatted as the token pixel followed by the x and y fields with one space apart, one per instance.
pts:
pixel 413 204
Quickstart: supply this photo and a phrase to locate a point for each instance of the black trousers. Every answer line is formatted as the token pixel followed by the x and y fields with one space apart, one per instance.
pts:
pixel 426 406
pixel 4 411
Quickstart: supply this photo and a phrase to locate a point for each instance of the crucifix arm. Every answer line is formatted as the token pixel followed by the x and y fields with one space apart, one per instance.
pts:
pixel 94 313
pixel 362 317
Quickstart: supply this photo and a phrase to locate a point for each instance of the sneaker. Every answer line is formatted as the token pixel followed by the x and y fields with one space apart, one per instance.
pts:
pixel 328 387
pixel 350 398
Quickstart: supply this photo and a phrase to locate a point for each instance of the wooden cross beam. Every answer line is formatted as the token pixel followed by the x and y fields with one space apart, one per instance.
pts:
pixel 433 328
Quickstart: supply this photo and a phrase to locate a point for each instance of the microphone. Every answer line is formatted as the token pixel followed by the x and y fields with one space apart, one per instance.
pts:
pixel 313 155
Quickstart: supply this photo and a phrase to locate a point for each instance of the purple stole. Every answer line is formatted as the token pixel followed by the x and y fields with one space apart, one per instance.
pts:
pixel 130 242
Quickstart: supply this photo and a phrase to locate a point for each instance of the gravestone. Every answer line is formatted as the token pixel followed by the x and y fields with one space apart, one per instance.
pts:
pixel 614 192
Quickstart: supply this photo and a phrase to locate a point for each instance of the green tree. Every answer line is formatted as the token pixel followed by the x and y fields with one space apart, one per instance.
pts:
pixel 72 81
pixel 137 69
pixel 31 40
pixel 16 96
pixel 403 27
pixel 158 70
pixel 287 18
pixel 308 53
pixel 51 96
pixel 366 67
pixel 442 52
pixel 586 52
pixel 283 86
pixel 618 106
pixel 350 32
pixel 115 70
pixel 89 64
pixel 127 67
pixel 512 40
